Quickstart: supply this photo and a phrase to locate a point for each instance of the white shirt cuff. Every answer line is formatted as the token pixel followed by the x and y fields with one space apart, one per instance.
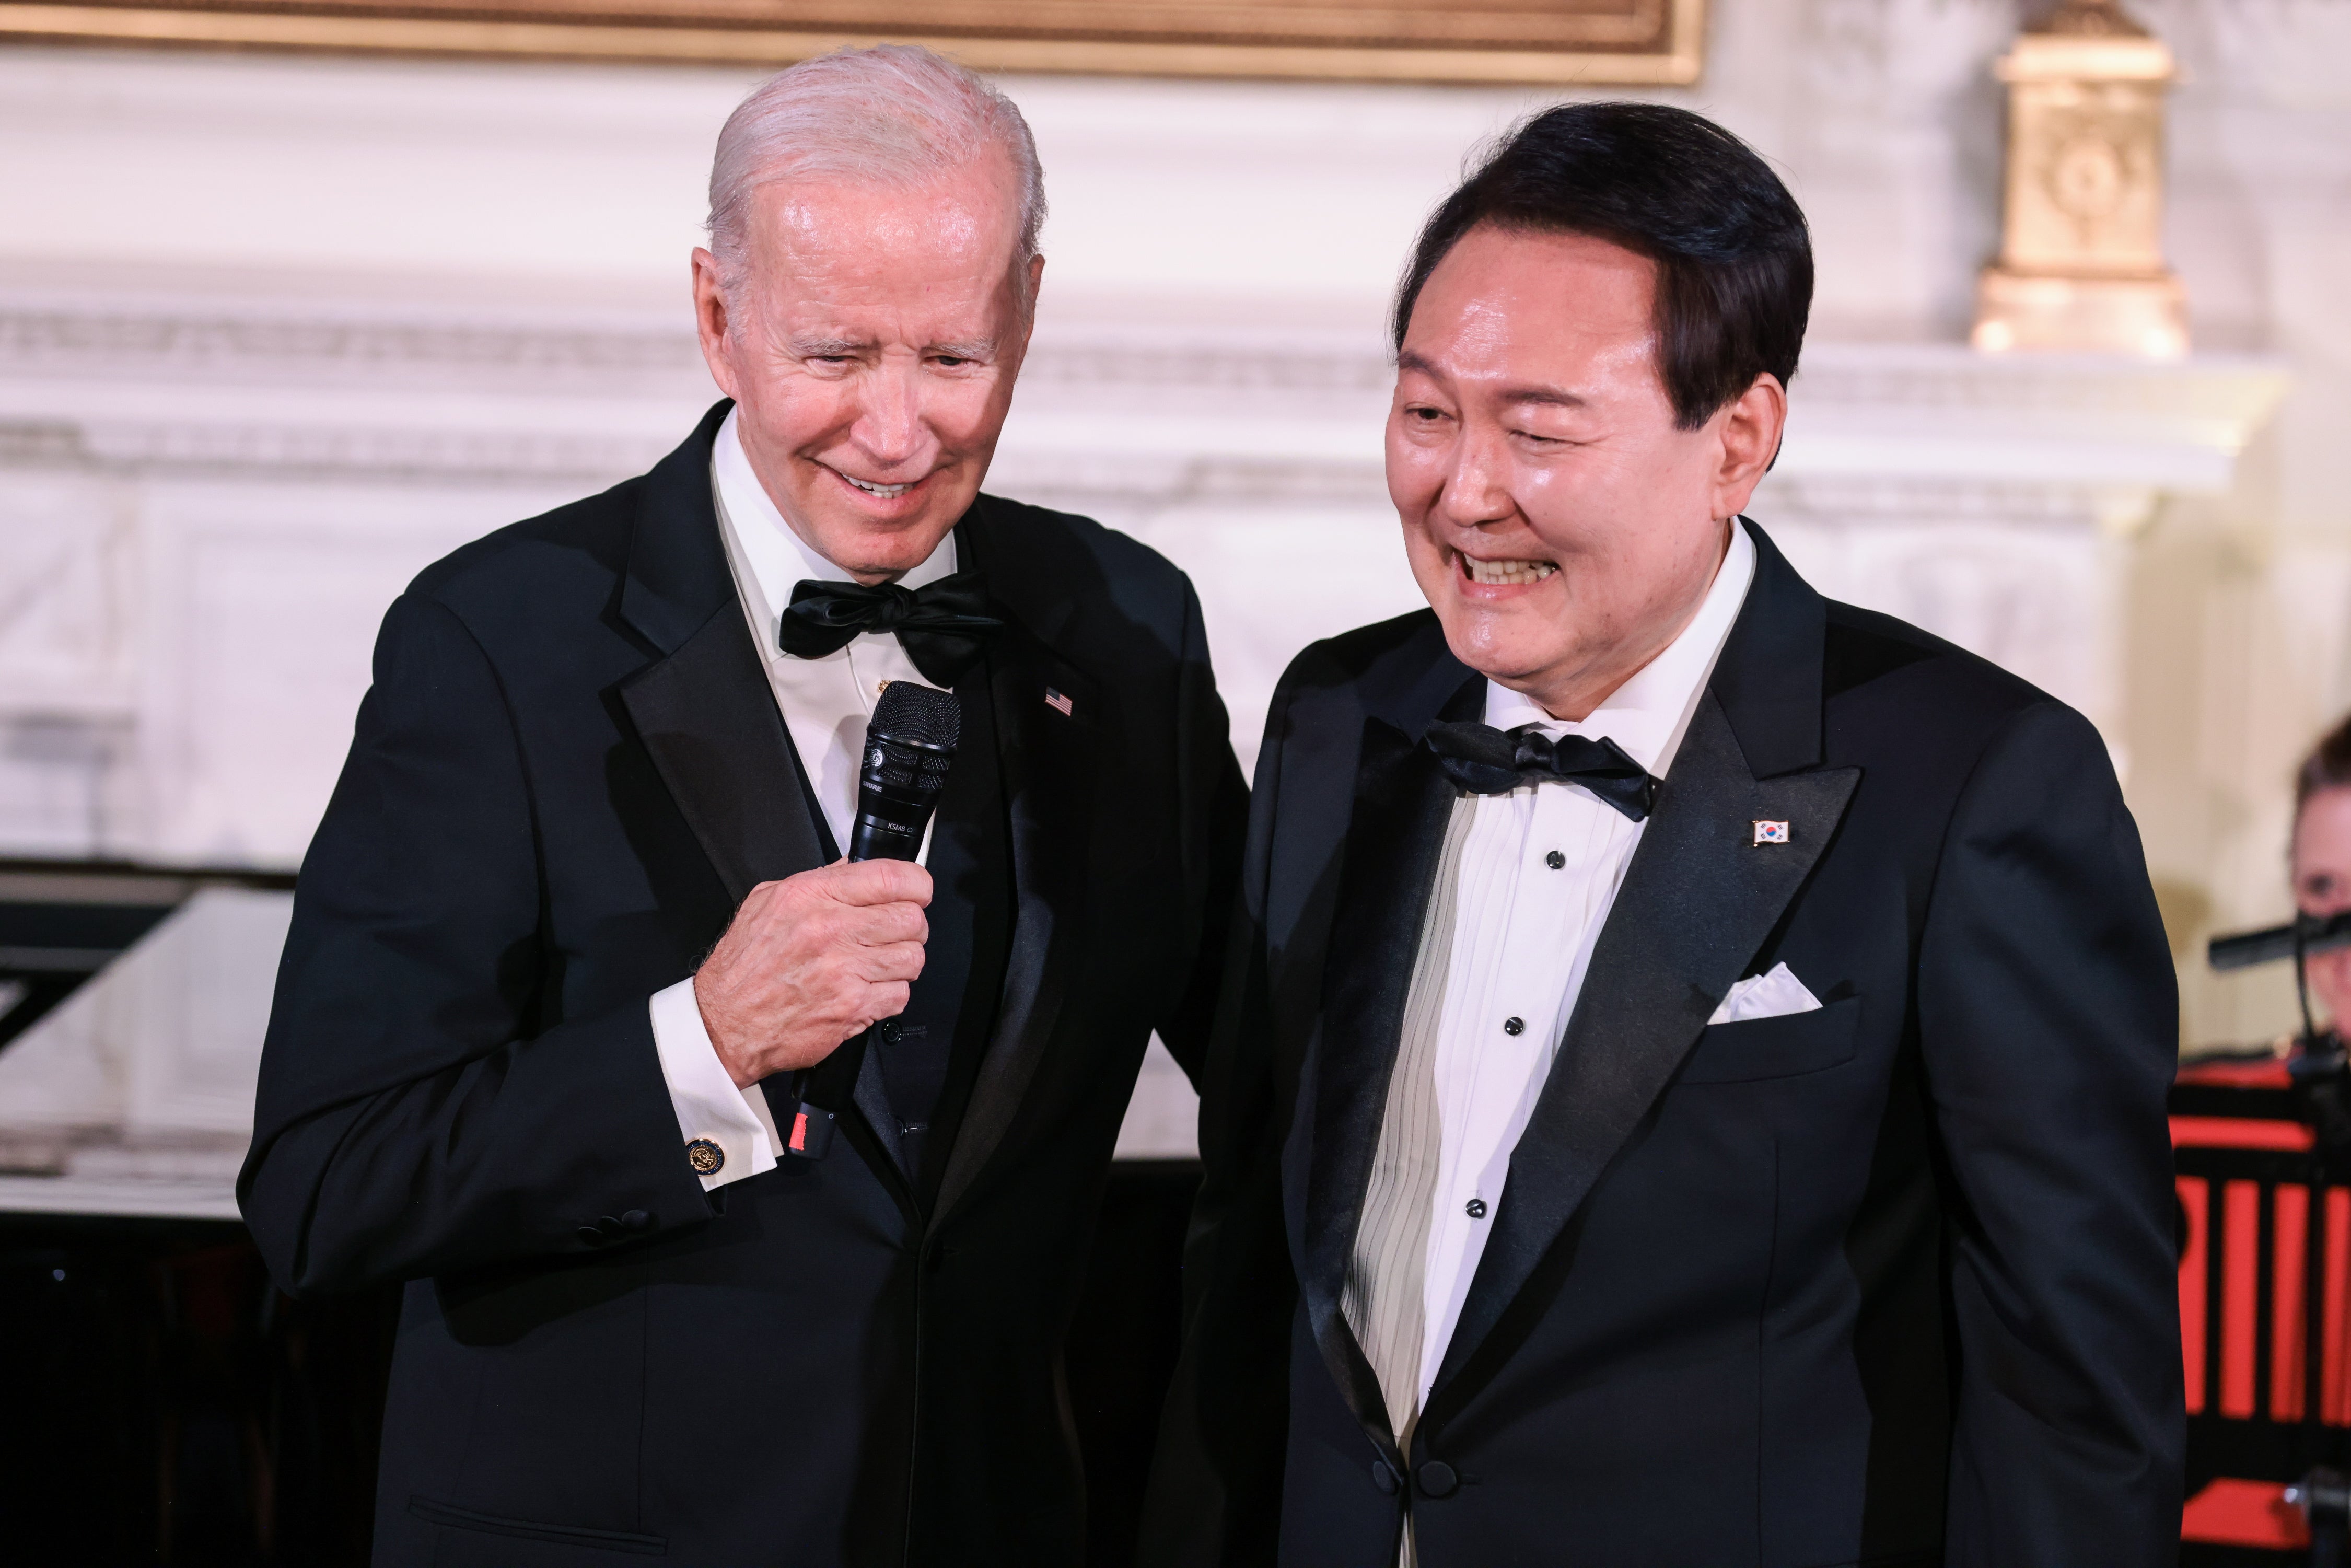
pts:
pixel 712 1114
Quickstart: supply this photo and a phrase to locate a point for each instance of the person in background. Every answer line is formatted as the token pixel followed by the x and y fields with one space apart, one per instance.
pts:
pixel 2320 862
pixel 577 921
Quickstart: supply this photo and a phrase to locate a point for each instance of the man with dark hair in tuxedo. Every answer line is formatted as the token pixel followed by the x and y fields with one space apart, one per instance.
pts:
pixel 578 975
pixel 1690 1085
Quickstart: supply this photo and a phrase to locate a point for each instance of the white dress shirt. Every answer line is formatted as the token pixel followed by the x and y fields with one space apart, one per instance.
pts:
pixel 1522 933
pixel 825 703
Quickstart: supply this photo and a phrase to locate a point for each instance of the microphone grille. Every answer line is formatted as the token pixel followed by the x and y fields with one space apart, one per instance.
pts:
pixel 925 715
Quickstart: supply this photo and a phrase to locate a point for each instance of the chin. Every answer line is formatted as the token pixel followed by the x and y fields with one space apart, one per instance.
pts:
pixel 1483 640
pixel 868 548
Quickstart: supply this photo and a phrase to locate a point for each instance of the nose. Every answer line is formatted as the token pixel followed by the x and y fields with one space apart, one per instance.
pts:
pixel 890 430
pixel 1476 491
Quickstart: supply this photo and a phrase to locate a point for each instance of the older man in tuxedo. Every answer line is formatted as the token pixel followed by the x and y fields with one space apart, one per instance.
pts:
pixel 1691 1090
pixel 577 970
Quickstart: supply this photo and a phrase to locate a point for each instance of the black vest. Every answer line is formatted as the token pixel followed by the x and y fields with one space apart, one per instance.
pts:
pixel 929 1055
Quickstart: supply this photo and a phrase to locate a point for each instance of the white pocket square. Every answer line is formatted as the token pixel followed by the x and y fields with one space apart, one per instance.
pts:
pixel 1771 994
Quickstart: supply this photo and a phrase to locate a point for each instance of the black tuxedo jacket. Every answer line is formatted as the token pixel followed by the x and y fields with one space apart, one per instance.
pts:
pixel 1890 1281
pixel 569 771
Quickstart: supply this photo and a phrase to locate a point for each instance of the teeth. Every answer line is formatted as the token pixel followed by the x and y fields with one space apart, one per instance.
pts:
pixel 1500 572
pixel 885 491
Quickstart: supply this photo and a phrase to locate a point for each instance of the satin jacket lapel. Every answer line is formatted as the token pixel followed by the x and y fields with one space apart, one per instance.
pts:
pixel 1698 900
pixel 1395 836
pixel 703 709
pixel 1048 758
pixel 872 1098
pixel 707 714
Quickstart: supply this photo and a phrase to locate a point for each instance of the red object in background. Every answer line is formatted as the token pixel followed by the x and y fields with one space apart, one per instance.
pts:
pixel 2236 1293
pixel 2334 1397
pixel 2264 1250
pixel 2289 1302
pixel 2256 1072
pixel 2240 1289
pixel 2240 1133
pixel 2196 1203
pixel 2232 1512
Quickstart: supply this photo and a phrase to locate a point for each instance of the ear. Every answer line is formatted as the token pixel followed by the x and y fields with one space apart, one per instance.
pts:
pixel 711 322
pixel 1025 319
pixel 1749 428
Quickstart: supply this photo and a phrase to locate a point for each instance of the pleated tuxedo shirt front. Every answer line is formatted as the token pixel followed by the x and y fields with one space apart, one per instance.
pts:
pixel 1524 883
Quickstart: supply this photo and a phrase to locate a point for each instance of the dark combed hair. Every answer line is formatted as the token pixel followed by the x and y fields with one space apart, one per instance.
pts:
pixel 1734 257
pixel 2328 765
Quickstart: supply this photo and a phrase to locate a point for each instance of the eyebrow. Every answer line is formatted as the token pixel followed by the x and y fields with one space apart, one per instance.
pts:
pixel 1542 396
pixel 825 348
pixel 817 348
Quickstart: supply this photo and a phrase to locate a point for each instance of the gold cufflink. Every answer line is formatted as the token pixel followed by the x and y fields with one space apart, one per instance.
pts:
pixel 704 1156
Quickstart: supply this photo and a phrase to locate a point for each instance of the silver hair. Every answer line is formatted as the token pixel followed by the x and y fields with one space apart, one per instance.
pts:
pixel 893 113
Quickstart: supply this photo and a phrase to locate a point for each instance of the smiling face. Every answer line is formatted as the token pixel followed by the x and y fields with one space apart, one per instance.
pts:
pixel 1560 526
pixel 870 345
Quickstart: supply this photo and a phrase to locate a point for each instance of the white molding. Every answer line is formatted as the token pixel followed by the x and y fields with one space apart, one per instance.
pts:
pixel 208 439
pixel 381 393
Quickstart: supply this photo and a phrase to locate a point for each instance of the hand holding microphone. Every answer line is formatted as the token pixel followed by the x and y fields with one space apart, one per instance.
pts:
pixel 815 959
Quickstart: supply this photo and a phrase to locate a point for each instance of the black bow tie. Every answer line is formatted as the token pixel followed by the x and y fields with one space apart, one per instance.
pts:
pixel 1485 761
pixel 940 625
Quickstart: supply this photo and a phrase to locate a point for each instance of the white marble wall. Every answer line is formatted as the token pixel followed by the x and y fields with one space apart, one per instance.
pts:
pixel 276 333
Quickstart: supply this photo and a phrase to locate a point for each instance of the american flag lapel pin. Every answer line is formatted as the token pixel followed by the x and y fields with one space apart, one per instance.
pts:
pixel 1060 703
pixel 1770 833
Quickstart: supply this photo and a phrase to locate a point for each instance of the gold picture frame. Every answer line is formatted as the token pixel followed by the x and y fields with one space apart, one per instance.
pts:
pixel 1650 43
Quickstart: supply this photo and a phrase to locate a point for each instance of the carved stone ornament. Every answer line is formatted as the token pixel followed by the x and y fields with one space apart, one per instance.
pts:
pixel 2081 264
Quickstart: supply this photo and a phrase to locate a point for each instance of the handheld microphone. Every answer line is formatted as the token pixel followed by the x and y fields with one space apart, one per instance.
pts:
pixel 910 744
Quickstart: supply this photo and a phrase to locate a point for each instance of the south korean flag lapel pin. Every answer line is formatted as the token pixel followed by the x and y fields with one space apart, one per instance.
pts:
pixel 1768 832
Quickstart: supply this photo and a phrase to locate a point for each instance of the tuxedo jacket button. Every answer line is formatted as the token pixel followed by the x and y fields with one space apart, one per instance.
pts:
pixel 1384 1478
pixel 1438 1479
pixel 637 1219
pixel 611 1227
pixel 591 1236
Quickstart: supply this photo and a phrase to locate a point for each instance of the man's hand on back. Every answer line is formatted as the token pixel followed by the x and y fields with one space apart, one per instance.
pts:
pixel 810 961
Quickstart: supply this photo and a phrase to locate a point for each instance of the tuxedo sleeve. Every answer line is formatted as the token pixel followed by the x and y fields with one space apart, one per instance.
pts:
pixel 2048 1018
pixel 427 1105
pixel 1212 820
pixel 1215 1493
